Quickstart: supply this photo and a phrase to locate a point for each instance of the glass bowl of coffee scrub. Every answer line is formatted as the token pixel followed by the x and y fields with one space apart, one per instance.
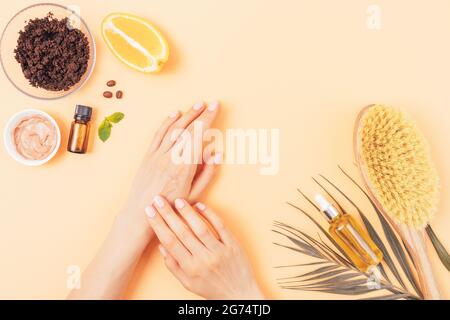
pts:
pixel 47 51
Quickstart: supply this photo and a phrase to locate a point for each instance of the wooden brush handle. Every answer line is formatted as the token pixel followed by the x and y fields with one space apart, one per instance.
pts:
pixel 415 240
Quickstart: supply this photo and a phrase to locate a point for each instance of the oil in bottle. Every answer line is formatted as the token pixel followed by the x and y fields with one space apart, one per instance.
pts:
pixel 79 130
pixel 352 239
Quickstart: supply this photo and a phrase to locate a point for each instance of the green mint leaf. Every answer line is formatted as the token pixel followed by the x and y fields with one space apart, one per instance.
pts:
pixel 116 117
pixel 104 131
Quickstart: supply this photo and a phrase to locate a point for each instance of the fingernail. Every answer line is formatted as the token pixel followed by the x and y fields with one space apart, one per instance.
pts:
pixel 174 114
pixel 159 201
pixel 163 251
pixel 213 106
pixel 198 106
pixel 218 158
pixel 179 203
pixel 200 206
pixel 150 212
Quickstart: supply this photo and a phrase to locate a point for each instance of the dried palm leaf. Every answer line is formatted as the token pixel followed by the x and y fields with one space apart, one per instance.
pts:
pixel 333 272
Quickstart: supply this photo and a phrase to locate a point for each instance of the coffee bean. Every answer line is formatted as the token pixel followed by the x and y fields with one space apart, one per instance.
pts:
pixel 107 94
pixel 111 83
pixel 119 94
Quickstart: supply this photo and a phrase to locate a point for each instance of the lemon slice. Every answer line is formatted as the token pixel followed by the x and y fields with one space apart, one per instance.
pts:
pixel 135 42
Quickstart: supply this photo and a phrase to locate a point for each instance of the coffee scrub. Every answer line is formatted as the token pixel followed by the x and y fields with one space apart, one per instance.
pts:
pixel 53 55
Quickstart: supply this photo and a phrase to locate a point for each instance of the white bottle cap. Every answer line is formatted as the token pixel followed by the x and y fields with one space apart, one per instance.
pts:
pixel 329 211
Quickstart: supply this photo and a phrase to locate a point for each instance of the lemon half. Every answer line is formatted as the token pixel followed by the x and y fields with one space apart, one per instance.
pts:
pixel 135 42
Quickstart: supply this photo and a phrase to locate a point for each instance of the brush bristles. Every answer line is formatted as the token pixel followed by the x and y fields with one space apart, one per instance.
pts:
pixel 398 165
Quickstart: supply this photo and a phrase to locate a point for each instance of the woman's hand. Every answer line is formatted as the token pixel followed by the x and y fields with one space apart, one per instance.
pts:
pixel 109 272
pixel 160 174
pixel 207 261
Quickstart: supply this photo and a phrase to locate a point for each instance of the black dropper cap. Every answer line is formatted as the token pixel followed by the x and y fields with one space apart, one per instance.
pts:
pixel 83 113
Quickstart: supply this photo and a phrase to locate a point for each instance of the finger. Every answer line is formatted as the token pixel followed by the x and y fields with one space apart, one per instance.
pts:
pixel 197 225
pixel 162 131
pixel 204 177
pixel 167 238
pixel 201 125
pixel 207 116
pixel 216 223
pixel 179 228
pixel 190 140
pixel 174 267
pixel 182 123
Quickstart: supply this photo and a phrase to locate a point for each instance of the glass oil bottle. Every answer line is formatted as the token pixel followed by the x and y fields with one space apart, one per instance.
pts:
pixel 352 239
pixel 79 130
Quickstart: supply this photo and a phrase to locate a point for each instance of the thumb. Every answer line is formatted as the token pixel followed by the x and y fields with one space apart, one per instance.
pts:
pixel 204 177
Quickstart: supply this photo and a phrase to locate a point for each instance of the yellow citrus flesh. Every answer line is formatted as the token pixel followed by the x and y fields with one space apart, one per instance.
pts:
pixel 135 42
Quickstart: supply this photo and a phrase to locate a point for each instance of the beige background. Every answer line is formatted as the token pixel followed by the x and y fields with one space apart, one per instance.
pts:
pixel 305 67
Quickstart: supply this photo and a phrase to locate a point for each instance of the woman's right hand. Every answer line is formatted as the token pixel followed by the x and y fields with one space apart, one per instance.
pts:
pixel 207 261
pixel 108 274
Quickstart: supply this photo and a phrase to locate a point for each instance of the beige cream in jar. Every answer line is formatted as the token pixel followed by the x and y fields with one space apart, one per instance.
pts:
pixel 35 137
pixel 32 137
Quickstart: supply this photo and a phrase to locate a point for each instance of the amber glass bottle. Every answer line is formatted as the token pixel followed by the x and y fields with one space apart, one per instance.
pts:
pixel 79 130
pixel 348 234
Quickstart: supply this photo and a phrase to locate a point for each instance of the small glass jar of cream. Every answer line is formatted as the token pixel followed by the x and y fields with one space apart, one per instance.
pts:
pixel 79 130
pixel 32 137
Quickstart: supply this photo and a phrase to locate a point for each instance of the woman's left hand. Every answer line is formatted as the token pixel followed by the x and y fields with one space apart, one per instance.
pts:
pixel 207 261
pixel 109 272
pixel 159 173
